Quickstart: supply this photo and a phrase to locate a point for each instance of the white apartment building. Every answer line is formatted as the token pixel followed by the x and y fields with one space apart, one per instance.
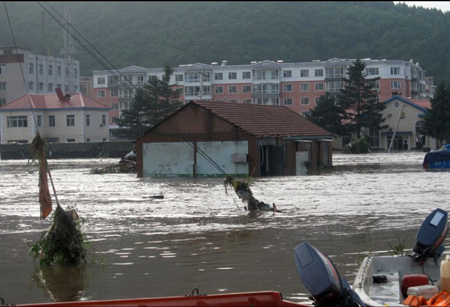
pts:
pixel 22 73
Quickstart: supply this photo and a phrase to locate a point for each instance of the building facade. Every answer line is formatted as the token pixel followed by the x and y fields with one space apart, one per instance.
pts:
pixel 23 72
pixel 295 85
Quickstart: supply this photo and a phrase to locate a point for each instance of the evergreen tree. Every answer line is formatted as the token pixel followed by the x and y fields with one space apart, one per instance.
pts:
pixel 437 119
pixel 150 105
pixel 359 99
pixel 328 114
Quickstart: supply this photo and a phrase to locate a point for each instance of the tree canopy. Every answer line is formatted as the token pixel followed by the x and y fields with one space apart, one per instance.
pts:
pixel 437 119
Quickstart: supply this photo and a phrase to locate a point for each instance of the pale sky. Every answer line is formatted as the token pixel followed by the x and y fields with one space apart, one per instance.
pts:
pixel 444 6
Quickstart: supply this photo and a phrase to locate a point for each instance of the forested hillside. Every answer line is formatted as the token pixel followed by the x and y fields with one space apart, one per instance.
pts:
pixel 152 34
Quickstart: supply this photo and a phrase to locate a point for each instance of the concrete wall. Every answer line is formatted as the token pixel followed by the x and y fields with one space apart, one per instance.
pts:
pixel 69 150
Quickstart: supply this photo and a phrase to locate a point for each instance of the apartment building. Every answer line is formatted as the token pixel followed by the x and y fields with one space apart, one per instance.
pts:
pixel 23 72
pixel 296 85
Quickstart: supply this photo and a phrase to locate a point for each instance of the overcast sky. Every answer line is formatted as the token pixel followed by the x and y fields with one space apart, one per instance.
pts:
pixel 440 5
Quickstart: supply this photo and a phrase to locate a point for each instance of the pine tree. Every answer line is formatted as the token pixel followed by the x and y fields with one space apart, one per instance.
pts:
pixel 360 100
pixel 437 119
pixel 328 114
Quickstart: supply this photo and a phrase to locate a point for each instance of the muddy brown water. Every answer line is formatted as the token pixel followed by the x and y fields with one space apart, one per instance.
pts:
pixel 199 236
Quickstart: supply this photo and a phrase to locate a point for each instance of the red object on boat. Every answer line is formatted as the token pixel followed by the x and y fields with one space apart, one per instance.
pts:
pixel 413 280
pixel 256 299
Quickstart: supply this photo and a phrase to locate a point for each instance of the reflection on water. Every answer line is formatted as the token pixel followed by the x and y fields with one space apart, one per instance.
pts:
pixel 198 236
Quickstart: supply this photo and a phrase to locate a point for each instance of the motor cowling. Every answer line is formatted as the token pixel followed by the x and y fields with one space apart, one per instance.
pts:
pixel 431 236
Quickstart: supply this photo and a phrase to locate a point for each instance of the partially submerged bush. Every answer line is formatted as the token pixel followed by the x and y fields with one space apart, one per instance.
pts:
pixel 357 147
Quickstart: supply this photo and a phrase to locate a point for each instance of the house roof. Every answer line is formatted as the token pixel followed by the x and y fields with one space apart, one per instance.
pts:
pixel 265 120
pixel 422 105
pixel 52 102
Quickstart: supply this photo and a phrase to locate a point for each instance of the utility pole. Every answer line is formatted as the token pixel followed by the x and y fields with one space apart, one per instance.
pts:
pixel 67 52
pixel 396 127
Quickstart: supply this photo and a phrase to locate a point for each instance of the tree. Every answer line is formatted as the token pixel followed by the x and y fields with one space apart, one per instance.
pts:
pixel 150 105
pixel 328 114
pixel 360 100
pixel 437 119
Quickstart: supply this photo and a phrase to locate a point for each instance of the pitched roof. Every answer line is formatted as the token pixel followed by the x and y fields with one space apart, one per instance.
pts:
pixel 52 102
pixel 265 120
pixel 422 105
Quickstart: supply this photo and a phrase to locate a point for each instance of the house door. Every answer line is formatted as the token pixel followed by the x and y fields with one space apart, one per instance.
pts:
pixel 272 160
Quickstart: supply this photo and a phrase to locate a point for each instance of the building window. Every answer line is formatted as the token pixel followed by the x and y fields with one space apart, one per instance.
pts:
pixel 318 72
pixel 395 70
pixel 41 86
pixel 395 85
pixel 179 78
pixel 101 80
pixel 2 86
pixel 218 76
pixel 70 120
pixel 304 87
pixel 88 119
pixel 51 121
pixel 304 73
pixel 58 71
pixel 114 92
pixel 317 99
pixel 287 87
pixel 247 89
pixel 31 86
pixel 140 79
pixel 335 72
pixel 103 119
pixel 192 77
pixel 287 101
pixel 304 100
pixel 246 75
pixel 17 121
pixel 39 120
pixel 247 101
pixel 41 69
pixel 114 105
pixel 101 94
pixel 70 140
pixel 2 68
pixel 232 89
pixel 218 90
pixel 31 68
pixel 50 70
pixel 88 140
pixel 50 87
pixel 233 100
pixel 305 113
pixel 287 74
pixel 318 86
pixel 372 71
pixel 232 75
pixel 335 86
pixel 75 73
pixel 2 102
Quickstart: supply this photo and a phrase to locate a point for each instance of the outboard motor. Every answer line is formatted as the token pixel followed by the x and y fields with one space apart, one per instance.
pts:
pixel 322 280
pixel 430 236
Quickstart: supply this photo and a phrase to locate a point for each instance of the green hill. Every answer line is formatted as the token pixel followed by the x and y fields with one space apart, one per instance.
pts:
pixel 151 34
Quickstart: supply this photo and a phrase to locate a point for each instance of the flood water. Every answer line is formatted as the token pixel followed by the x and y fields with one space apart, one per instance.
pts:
pixel 199 236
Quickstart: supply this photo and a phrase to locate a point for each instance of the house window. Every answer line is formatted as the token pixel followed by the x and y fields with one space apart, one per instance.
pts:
pixel 179 78
pixel 39 120
pixel 103 119
pixel 395 70
pixel 287 87
pixel 41 69
pixel 232 75
pixel 70 140
pixel 70 120
pixel 287 73
pixel 305 113
pixel 218 90
pixel 287 101
pixel 318 86
pixel 50 87
pixel 2 102
pixel 50 70
pixel 395 85
pixel 304 73
pixel 2 86
pixel 17 121
pixel 31 68
pixel 101 94
pixel 232 89
pixel 247 89
pixel 304 87
pixel 246 75
pixel 218 76
pixel 304 100
pixel 101 80
pixel 51 121
pixel 318 72
pixel 88 119
pixel 2 68
pixel 41 86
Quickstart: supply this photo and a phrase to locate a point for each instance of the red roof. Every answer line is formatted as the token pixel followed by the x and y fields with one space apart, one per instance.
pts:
pixel 51 101
pixel 265 120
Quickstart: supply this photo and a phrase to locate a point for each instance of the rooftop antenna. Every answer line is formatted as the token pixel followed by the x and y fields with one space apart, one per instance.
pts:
pixel 68 51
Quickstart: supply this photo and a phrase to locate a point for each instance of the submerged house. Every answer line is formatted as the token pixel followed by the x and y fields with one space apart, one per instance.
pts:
pixel 218 138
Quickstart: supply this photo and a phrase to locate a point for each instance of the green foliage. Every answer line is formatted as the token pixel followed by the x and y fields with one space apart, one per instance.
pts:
pixel 399 249
pixel 437 119
pixel 150 105
pixel 152 33
pixel 357 147
pixel 328 114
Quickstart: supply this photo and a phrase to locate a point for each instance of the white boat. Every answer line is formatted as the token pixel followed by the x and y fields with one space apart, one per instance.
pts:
pixel 388 280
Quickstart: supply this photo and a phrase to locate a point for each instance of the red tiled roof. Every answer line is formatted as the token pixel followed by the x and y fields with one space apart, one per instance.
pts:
pixel 265 120
pixel 51 101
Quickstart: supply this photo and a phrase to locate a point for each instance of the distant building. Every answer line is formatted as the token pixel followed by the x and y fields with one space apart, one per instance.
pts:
pixel 212 139
pixel 58 118
pixel 294 85
pixel 22 73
